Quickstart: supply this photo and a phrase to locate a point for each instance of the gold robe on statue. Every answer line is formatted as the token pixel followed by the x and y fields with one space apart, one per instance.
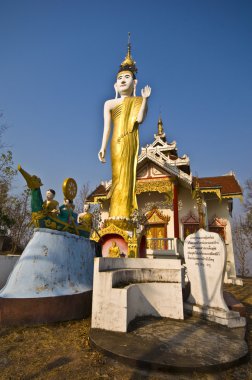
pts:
pixel 86 220
pixel 124 152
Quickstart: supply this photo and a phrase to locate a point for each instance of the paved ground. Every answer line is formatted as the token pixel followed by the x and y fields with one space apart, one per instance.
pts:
pixel 174 345
pixel 62 351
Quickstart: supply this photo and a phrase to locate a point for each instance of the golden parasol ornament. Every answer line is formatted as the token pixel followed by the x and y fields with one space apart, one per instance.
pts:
pixel 69 188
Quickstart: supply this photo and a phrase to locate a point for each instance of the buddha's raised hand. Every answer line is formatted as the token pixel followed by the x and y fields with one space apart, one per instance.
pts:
pixel 146 91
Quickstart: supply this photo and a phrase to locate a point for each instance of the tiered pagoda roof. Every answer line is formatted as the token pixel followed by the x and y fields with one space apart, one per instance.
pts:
pixel 165 155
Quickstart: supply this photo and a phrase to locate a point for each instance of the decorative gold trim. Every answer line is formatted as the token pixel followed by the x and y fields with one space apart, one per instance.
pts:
pixel 162 218
pixel 132 249
pixel 233 196
pixel 99 199
pixel 111 229
pixel 159 185
pixel 123 224
pixel 36 216
pixel 50 224
pixel 94 236
pixel 216 191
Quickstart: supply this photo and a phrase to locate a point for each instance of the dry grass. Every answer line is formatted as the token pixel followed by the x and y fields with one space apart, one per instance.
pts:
pixel 61 351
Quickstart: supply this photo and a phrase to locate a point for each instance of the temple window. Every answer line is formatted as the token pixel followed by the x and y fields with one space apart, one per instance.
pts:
pixel 190 224
pixel 218 225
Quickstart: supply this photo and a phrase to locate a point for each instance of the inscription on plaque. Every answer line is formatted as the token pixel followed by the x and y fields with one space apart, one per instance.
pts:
pixel 203 250
pixel 205 257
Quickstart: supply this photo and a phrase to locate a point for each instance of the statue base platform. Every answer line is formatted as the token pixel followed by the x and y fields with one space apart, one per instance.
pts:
pixel 231 319
pixel 181 349
pixel 32 311
pixel 52 281
pixel 130 288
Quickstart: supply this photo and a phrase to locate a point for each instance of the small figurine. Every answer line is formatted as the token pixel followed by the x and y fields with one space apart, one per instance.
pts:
pixel 51 206
pixel 48 214
pixel 86 218
pixel 67 213
pixel 114 250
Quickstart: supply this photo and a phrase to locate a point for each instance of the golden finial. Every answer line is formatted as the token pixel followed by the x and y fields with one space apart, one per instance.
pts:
pixel 129 62
pixel 160 126
pixel 200 201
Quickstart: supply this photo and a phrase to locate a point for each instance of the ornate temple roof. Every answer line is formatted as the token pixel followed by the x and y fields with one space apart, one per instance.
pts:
pixel 165 155
pixel 100 191
pixel 227 185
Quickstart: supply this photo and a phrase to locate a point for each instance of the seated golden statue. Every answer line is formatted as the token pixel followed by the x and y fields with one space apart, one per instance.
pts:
pixel 114 250
pixel 67 213
pixel 50 205
pixel 86 218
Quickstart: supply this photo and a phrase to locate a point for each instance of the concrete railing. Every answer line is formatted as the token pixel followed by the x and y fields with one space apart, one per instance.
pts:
pixel 124 277
pixel 160 244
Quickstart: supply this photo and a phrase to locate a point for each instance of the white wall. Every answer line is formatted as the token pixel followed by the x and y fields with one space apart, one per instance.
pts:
pixel 186 204
pixel 7 263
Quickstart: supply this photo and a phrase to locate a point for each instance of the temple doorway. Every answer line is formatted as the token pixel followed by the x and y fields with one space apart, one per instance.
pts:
pixel 155 234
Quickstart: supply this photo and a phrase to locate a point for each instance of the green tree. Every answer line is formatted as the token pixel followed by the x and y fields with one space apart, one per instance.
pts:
pixel 7 173
pixel 19 211
pixel 242 232
pixel 247 224
pixel 15 214
pixel 241 246
pixel 81 197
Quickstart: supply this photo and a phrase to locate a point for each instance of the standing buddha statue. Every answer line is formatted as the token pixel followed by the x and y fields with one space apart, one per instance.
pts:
pixel 126 112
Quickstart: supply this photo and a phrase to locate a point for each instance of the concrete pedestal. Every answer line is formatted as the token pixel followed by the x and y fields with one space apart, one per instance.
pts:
pixel 128 288
pixel 52 281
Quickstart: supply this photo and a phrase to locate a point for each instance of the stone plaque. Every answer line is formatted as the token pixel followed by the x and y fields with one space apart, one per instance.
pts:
pixel 205 258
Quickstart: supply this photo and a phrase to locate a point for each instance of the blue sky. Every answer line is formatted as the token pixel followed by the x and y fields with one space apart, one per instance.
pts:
pixel 58 64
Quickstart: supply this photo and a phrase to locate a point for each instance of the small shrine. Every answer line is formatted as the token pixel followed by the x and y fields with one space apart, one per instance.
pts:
pixel 48 214
pixel 168 206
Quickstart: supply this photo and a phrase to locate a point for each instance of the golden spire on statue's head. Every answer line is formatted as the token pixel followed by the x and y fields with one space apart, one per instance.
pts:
pixel 128 59
pixel 128 64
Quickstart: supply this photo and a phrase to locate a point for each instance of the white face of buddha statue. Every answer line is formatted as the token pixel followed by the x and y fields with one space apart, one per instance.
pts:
pixel 125 83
